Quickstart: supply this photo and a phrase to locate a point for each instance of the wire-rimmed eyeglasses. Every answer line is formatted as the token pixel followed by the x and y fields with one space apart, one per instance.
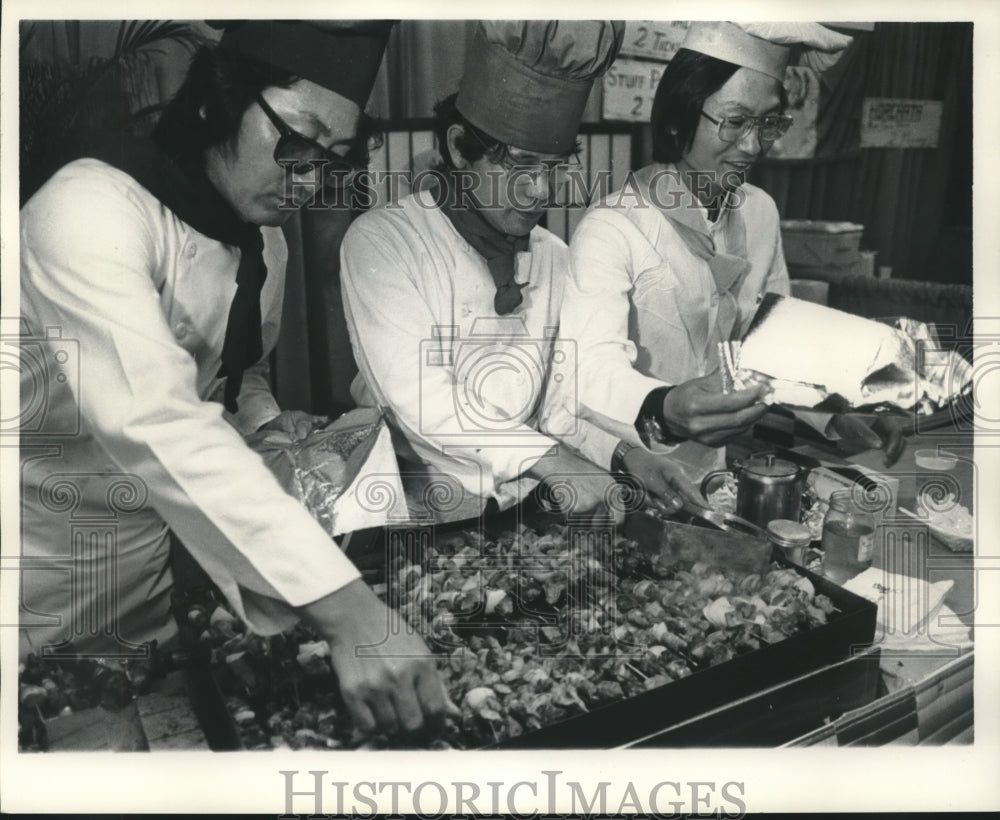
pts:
pixel 769 127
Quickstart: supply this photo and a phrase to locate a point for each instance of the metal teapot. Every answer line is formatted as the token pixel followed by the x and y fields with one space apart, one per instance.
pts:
pixel 767 488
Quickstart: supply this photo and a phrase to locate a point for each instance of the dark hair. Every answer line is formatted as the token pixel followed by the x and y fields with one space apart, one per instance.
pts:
pixel 689 79
pixel 446 114
pixel 225 83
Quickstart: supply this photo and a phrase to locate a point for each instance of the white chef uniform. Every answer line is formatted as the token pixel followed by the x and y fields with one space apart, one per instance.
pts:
pixel 141 301
pixel 642 305
pixel 462 387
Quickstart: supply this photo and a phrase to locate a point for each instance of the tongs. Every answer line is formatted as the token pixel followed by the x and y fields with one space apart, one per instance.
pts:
pixel 704 515
pixel 718 544
pixel 721 520
pixel 708 516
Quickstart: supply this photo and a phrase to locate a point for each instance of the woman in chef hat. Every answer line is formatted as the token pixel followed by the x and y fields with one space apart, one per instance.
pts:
pixel 665 270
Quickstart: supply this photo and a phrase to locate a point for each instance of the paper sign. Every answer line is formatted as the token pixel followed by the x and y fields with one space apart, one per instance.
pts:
pixel 653 39
pixel 900 123
pixel 629 87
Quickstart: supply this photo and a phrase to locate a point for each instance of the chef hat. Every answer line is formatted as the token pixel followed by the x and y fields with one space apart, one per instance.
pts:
pixel 526 82
pixel 763 47
pixel 341 55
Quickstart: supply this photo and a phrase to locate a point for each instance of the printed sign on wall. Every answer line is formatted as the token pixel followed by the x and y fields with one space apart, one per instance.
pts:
pixel 900 123
pixel 653 39
pixel 629 87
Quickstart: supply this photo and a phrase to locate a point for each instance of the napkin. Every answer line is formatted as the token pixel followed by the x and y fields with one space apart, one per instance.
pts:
pixel 911 613
pixel 904 603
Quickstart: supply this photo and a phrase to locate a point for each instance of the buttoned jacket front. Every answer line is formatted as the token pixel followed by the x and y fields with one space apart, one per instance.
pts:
pixel 138 301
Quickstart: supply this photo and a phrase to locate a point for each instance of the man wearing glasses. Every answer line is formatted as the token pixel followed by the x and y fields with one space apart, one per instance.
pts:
pixel 161 264
pixel 452 297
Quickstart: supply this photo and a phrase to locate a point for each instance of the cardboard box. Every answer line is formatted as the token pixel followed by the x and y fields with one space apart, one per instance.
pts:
pixel 828 273
pixel 821 244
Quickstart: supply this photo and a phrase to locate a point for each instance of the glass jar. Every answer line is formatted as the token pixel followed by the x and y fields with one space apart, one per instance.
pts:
pixel 792 539
pixel 848 538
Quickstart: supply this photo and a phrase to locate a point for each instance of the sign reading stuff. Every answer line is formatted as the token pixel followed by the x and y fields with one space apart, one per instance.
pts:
pixel 629 87
pixel 630 84
pixel 900 123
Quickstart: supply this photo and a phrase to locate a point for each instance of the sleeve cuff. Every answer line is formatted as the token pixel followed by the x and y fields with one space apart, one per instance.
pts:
pixel 650 423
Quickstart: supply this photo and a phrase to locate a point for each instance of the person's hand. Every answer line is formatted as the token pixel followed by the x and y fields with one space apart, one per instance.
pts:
pixel 577 487
pixel 860 431
pixel 297 423
pixel 666 483
pixel 392 684
pixel 698 409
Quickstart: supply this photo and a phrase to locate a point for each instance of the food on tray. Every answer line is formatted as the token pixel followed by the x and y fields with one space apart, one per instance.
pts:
pixel 808 352
pixel 530 629
pixel 813 517
pixel 723 497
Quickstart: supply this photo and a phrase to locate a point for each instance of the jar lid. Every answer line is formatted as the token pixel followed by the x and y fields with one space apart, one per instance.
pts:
pixel 842 500
pixel 787 533
pixel 768 464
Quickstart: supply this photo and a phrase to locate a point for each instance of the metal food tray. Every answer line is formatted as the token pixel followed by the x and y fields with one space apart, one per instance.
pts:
pixel 849 631
pixel 651 718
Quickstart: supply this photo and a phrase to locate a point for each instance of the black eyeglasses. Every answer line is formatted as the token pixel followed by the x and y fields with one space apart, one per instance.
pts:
pixel 555 171
pixel 307 154
pixel 769 127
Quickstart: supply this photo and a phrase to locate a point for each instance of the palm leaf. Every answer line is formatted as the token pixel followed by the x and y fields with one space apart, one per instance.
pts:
pixel 64 107
pixel 135 36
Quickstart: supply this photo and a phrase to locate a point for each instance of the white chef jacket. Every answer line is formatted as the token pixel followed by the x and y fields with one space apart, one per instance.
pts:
pixel 642 307
pixel 463 388
pixel 140 300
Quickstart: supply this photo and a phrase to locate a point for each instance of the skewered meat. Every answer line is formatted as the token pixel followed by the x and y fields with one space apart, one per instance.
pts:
pixel 531 628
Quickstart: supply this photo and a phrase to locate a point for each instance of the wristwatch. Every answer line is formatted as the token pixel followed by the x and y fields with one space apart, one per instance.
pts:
pixel 622 449
pixel 650 424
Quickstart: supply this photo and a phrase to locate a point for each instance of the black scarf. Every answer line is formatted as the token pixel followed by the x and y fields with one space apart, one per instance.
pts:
pixel 496 247
pixel 185 189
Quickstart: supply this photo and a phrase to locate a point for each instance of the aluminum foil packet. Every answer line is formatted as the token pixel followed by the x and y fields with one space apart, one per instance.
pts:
pixel 808 353
pixel 344 473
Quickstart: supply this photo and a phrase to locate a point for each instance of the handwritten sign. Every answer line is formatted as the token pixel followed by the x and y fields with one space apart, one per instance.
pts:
pixel 653 39
pixel 900 123
pixel 629 87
